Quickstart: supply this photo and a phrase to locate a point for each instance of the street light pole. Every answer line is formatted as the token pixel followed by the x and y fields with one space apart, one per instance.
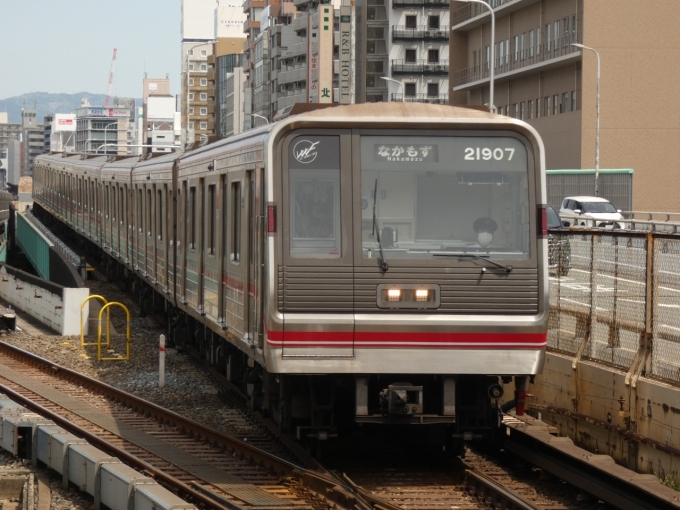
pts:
pixel 107 127
pixel 597 118
pixel 492 64
pixel 266 120
pixel 403 96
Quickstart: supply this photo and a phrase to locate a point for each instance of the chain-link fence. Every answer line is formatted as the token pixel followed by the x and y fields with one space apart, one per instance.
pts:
pixel 615 299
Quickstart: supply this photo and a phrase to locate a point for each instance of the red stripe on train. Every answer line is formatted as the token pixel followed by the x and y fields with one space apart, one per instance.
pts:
pixel 407 339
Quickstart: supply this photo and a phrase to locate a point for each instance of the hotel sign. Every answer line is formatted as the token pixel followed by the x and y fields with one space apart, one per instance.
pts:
pixel 345 78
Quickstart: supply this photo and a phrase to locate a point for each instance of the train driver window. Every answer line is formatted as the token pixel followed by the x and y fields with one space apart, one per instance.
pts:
pixel 314 163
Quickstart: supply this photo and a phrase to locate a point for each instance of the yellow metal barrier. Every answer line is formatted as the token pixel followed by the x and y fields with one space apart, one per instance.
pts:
pixel 99 333
pixel 82 322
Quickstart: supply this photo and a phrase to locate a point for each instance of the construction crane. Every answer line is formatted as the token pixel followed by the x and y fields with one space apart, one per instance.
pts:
pixel 108 90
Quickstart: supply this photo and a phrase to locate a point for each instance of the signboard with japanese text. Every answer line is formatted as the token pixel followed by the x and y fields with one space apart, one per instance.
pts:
pixel 325 53
pixel 345 43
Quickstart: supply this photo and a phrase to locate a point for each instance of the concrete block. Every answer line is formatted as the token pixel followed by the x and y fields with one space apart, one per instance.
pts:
pixel 84 464
pixel 156 497
pixel 117 482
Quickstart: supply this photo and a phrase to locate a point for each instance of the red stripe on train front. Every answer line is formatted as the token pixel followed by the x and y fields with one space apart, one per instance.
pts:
pixel 419 339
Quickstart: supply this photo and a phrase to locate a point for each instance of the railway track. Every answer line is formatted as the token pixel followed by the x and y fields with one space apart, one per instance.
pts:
pixel 208 468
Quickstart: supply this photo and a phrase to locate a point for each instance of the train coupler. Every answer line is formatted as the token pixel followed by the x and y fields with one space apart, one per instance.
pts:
pixel 402 398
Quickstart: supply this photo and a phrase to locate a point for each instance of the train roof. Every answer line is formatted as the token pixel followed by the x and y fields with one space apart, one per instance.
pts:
pixel 393 109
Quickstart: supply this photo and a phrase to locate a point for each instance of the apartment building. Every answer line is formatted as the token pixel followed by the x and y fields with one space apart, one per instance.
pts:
pixel 419 51
pixel 102 130
pixel 542 78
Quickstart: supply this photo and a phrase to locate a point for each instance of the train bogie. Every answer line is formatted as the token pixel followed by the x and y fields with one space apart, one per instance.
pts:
pixel 388 261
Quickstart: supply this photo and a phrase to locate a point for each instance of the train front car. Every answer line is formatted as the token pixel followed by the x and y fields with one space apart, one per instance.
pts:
pixel 407 272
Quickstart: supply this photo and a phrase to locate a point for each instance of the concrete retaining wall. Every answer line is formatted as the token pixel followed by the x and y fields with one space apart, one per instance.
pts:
pixel 55 306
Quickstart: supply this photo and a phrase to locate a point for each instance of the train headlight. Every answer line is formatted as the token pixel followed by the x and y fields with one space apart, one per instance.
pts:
pixel 422 295
pixel 416 296
pixel 394 294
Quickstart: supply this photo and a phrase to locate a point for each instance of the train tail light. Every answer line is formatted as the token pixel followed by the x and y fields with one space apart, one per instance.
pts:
pixel 271 218
pixel 422 295
pixel 542 217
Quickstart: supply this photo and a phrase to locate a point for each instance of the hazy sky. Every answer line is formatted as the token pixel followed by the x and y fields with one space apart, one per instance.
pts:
pixel 65 46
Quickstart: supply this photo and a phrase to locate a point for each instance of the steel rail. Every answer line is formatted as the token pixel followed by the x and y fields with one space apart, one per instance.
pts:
pixel 326 485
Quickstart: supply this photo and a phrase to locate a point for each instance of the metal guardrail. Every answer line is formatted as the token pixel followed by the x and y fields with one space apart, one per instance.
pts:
pixel 617 300
pixel 67 252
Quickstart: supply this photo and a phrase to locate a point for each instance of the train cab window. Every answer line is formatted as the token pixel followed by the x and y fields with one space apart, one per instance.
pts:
pixel 422 197
pixel 314 163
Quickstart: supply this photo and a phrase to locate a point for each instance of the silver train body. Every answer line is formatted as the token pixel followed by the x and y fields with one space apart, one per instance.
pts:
pixel 333 253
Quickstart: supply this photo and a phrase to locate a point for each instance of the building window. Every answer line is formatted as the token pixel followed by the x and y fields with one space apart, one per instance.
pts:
pixel 411 22
pixel 432 90
pixel 565 31
pixel 203 111
pixel 573 100
pixel 556 34
pixel 507 51
pixel 191 82
pixel 530 109
pixel 410 89
pixel 204 67
pixel 432 56
pixel 531 43
pixel 410 55
pixel 548 36
pixel 433 22
pixel 204 53
pixel 191 125
pixel 191 53
pixel 556 104
pixel 488 56
pixel 191 96
pixel 538 41
pixel 191 67
pixel 501 49
pixel 521 110
pixel 565 102
pixel 204 96
pixel 515 57
pixel 204 82
pixel 515 111
pixel 191 111
pixel 546 106
pixel 522 47
pixel 203 125
pixel 573 27
pixel 538 104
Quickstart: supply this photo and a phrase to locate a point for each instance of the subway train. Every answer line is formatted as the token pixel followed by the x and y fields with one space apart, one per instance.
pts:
pixel 359 265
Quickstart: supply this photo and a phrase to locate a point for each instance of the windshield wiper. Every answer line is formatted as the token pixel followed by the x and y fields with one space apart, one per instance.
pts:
pixel 485 258
pixel 376 230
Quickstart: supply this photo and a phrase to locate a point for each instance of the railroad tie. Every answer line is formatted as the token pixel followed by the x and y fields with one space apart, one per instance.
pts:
pixel 200 468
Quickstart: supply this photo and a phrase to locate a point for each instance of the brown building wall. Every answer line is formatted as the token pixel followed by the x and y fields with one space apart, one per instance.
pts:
pixel 639 95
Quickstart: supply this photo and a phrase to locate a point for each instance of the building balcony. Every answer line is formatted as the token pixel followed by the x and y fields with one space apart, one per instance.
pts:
pixel 421 98
pixel 248 24
pixel 420 67
pixel 252 4
pixel 401 4
pixel 546 56
pixel 420 33
pixel 300 22
pixel 474 14
pixel 293 75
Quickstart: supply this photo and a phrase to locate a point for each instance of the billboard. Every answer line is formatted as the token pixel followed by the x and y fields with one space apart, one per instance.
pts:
pixel 103 112
pixel 64 122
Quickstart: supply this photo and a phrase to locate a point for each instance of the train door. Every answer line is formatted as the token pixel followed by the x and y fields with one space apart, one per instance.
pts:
pixel 181 242
pixel 318 260
pixel 235 278
pixel 160 238
pixel 151 231
pixel 194 244
pixel 256 255
pixel 211 260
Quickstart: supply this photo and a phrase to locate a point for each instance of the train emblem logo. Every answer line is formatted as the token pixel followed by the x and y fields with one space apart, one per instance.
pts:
pixel 305 151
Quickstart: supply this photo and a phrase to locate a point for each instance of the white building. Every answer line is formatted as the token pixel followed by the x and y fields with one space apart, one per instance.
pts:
pixel 102 130
pixel 162 128
pixel 60 132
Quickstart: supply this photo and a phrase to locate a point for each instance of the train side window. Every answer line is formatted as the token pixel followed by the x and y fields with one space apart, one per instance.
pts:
pixel 236 221
pixel 159 214
pixel 192 217
pixel 148 222
pixel 139 211
pixel 211 220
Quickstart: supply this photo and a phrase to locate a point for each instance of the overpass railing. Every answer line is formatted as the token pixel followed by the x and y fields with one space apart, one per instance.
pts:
pixel 615 299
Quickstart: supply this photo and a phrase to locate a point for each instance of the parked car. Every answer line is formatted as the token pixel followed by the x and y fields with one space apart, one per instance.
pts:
pixel 590 212
pixel 559 247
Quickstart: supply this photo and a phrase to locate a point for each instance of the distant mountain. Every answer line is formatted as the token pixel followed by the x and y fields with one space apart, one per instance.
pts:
pixel 46 103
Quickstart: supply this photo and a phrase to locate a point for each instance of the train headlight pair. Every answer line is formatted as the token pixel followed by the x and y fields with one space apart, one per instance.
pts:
pixel 408 296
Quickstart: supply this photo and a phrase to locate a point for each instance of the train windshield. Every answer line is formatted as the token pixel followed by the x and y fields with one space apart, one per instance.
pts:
pixel 441 196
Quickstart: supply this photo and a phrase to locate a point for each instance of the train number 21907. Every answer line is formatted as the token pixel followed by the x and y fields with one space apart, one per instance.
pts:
pixel 475 154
